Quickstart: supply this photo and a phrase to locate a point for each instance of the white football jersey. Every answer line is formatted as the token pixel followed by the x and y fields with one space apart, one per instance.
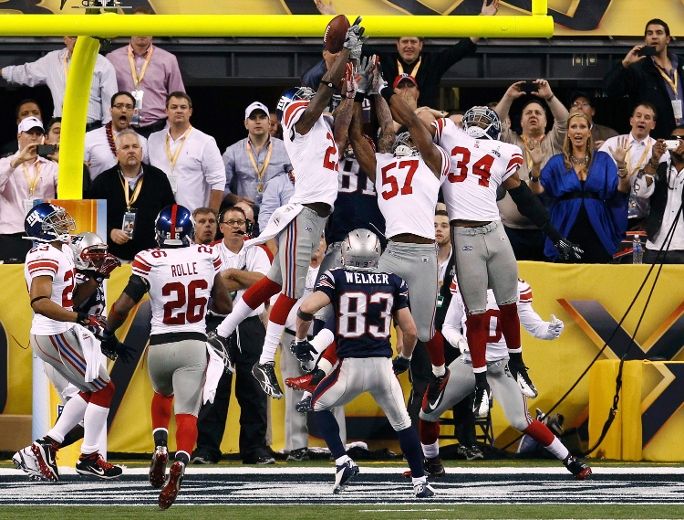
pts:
pixel 407 193
pixel 478 168
pixel 180 282
pixel 496 344
pixel 253 258
pixel 58 264
pixel 314 156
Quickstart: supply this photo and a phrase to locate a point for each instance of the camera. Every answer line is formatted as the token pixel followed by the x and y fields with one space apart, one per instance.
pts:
pixel 528 87
pixel 672 144
pixel 44 150
pixel 647 51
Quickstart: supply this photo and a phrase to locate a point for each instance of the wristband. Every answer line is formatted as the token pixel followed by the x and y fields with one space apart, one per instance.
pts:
pixel 328 84
pixel 387 93
pixel 359 97
pixel 548 100
pixel 37 298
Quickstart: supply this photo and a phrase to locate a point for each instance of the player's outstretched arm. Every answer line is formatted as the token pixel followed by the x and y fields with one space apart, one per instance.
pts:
pixel 310 306
pixel 221 301
pixel 363 150
pixel 405 322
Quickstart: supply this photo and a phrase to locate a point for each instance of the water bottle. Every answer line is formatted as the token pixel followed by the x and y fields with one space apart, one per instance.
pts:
pixel 637 250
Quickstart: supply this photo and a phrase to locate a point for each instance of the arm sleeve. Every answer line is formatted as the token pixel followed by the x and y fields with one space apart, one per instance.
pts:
pixel 401 296
pixel 451 328
pixel 5 172
pixel 326 284
pixel 617 81
pixel 174 80
pixel 270 200
pixel 212 165
pixel 228 158
pixel 30 74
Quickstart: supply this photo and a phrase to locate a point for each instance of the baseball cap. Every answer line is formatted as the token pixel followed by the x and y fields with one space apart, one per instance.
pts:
pixel 402 77
pixel 29 123
pixel 256 105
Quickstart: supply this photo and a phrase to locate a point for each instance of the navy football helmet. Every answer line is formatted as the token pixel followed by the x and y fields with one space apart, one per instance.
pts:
pixel 480 122
pixel 291 95
pixel 47 222
pixel 360 250
pixel 174 226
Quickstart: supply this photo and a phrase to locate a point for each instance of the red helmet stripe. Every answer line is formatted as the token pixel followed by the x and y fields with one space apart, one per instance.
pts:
pixel 174 211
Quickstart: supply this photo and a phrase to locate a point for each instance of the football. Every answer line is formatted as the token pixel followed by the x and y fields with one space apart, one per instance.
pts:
pixel 335 33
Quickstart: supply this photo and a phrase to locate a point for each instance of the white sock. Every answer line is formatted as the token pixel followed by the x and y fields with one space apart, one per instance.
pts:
pixel 419 480
pixel 274 332
pixel 322 340
pixel 439 371
pixel 72 414
pixel 240 311
pixel 94 422
pixel 341 460
pixel 557 449
pixel 430 450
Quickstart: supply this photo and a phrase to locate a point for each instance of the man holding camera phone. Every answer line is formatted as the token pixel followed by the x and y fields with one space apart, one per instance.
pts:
pixel 649 72
pixel 24 176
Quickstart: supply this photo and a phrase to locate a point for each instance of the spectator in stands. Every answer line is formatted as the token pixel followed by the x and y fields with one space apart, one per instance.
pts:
pixel 100 144
pixel 588 193
pixel 276 194
pixel 135 193
pixel 526 238
pixel 149 73
pixel 585 103
pixel 189 157
pixel 253 161
pixel 24 176
pixel 24 109
pixel 275 129
pixel 243 267
pixel 53 133
pixel 663 185
pixel 206 225
pixel 52 70
pixel 657 79
pixel 426 67
pixel 643 122
pixel 406 86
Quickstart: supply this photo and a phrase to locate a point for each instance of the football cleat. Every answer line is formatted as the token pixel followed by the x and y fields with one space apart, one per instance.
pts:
pixel 27 462
pixel 519 373
pixel 45 452
pixel 304 406
pixel 578 468
pixel 307 382
pixel 423 490
pixel 434 467
pixel 435 392
pixel 94 464
pixel 298 455
pixel 473 452
pixel 158 466
pixel 168 495
pixel 265 374
pixel 343 474
pixel 222 347
pixel 482 400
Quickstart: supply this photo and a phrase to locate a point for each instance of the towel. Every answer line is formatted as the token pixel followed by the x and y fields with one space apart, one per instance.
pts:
pixel 215 370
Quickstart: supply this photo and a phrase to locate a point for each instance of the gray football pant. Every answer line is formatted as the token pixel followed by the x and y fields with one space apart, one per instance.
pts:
pixel 296 244
pixel 296 430
pixel 504 388
pixel 417 265
pixel 484 259
pixel 354 376
pixel 178 369
pixel 65 354
pixel 331 260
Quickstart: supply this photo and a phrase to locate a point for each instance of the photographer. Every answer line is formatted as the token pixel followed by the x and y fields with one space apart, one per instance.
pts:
pixel 649 72
pixel 24 176
pixel 135 193
pixel 662 183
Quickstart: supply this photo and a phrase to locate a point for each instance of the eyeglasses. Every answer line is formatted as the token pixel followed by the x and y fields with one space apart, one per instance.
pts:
pixel 121 106
pixel 234 222
pixel 581 105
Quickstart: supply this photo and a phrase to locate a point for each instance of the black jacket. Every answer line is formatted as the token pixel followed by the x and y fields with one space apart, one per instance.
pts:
pixel 642 82
pixel 154 195
pixel 658 200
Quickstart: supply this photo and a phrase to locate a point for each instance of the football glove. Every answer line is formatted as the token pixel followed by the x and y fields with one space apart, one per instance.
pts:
pixel 114 349
pixel 365 75
pixel 400 364
pixel 354 39
pixel 302 350
pixel 567 250
pixel 554 328
pixel 95 323
pixel 109 263
pixel 519 372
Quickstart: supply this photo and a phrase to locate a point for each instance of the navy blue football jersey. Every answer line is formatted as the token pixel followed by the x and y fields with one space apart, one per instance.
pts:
pixel 364 303
pixel 356 205
pixel 95 304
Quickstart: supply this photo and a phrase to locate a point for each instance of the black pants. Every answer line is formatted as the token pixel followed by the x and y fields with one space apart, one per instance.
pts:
pixel 527 244
pixel 211 422
pixel 13 248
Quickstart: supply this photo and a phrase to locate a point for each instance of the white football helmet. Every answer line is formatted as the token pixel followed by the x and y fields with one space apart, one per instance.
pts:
pixel 403 146
pixel 360 250
pixel 480 122
pixel 89 250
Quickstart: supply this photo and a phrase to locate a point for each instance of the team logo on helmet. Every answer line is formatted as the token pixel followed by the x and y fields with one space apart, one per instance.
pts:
pixel 89 250
pixel 360 250
pixel 403 146
pixel 291 95
pixel 47 222
pixel 480 122
pixel 174 226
